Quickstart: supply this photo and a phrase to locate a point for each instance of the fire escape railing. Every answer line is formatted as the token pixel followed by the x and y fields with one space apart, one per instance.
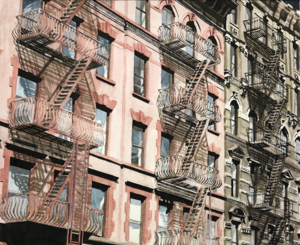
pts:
pixel 26 113
pixel 47 211
pixel 177 36
pixel 172 167
pixel 37 29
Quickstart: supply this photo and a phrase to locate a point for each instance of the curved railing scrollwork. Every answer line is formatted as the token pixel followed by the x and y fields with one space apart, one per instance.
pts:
pixel 172 167
pixel 33 111
pixel 39 23
pixel 93 220
pixel 176 32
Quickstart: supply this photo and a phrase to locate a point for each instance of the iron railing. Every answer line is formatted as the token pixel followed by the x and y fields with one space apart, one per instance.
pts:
pixel 37 29
pixel 258 29
pixel 172 167
pixel 31 111
pixel 266 84
pixel 177 99
pixel 47 211
pixel 177 36
pixel 178 236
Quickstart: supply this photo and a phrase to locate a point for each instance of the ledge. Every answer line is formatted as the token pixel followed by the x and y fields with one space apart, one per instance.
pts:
pixel 214 132
pixel 140 97
pixel 106 80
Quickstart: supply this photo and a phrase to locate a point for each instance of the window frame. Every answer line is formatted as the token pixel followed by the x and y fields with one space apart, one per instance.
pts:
pixel 142 11
pixel 191 25
pixel 166 136
pixel 233 60
pixel 168 9
pixel 171 83
pixel 41 6
pixel 236 228
pixel 234 179
pixel 295 57
pixel 233 17
pixel 213 97
pixel 110 40
pixel 141 223
pixel 234 118
pixel 140 127
pixel 297 146
pixel 141 57
pixel 105 1
pixel 161 203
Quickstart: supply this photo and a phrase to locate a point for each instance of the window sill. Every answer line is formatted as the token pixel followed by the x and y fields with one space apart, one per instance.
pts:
pixel 140 97
pixel 106 80
pixel 214 132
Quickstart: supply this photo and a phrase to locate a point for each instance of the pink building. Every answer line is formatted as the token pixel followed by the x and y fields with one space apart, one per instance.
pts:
pixel 111 122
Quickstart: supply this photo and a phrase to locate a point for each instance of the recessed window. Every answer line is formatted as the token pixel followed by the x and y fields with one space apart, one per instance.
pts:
pixel 65 119
pixel 249 67
pixel 253 236
pixel 211 49
pixel 25 88
pixel 248 13
pixel 283 141
pixel 29 5
pixel 234 234
pixel 298 151
pixel 104 69
pixel 295 56
pixel 233 60
pixel 137 145
pixel 139 75
pixel 102 117
pixel 190 37
pixel 211 109
pixel 135 222
pixel 18 180
pixel 211 226
pixel 233 117
pixel 252 124
pixel 165 146
pixel 162 218
pixel 70 39
pixel 295 102
pixel 167 16
pixel 98 200
pixel 234 179
pixel 166 79
pixel 141 13
pixel 186 212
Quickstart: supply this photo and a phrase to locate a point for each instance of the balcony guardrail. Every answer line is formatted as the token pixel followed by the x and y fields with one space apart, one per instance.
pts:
pixel 177 36
pixel 38 29
pixel 267 85
pixel 172 167
pixel 176 99
pixel 47 211
pixel 178 236
pixel 258 29
pixel 280 203
pixel 28 112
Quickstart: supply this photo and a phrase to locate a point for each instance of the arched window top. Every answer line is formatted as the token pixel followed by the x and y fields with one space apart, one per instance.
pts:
pixel 234 104
pixel 191 24
pixel 213 40
pixel 253 114
pixel 167 15
pixel 284 134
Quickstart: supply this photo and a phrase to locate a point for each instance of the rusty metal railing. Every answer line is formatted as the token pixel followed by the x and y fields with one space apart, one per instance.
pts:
pixel 33 111
pixel 172 167
pixel 92 220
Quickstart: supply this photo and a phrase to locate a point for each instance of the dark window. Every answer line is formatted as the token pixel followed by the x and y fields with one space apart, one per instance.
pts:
pixel 253 236
pixel 141 13
pixel 29 5
pixel 25 87
pixel 104 69
pixel 166 78
pixel 211 226
pixel 211 49
pixel 295 56
pixel 234 233
pixel 137 145
pixel 165 146
pixel 167 16
pixel 18 180
pixel 64 194
pixel 248 13
pixel 249 71
pixel 284 189
pixel 234 178
pixel 252 122
pixel 70 39
pixel 190 37
pixel 233 117
pixel 211 109
pixel 283 140
pixel 233 60
pixel 102 117
pixel 139 75
pixel 108 2
pixel 186 212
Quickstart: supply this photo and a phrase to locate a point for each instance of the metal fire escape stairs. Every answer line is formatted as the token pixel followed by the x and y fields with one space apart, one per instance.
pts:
pixel 70 11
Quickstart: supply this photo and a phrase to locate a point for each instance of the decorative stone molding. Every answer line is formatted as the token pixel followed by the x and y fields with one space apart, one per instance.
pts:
pixel 293 190
pixel 245 243
pixel 213 90
pixel 141 48
pixel 245 170
pixel 192 16
pixel 245 181
pixel 244 192
pixel 227 225
pixel 281 66
pixel 229 164
pixel 104 100
pixel 105 27
pixel 234 29
pixel 287 174
pixel 236 152
pixel 246 230
pixel 296 242
pixel 140 117
pixel 292 119
pixel 228 77
pixel 243 49
pixel 227 186
pixel 228 175
pixel 213 148
pixel 227 239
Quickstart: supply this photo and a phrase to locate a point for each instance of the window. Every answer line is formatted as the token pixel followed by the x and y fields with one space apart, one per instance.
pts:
pixel 249 71
pixel 252 124
pixel 139 75
pixel 211 160
pixel 233 16
pixel 248 14
pixel 211 109
pixel 295 57
pixel 162 218
pixel 18 180
pixel 211 225
pixel 102 118
pixel 295 102
pixel 251 194
pixel 65 119
pixel 137 145
pixel 167 16
pixel 108 2
pixel 233 60
pixel 29 5
pixel 166 79
pixel 233 117
pixel 25 88
pixel 298 151
pixel 165 146
pixel 140 13
pixel 253 236
pixel 283 141
pixel 64 194
pixel 234 182
pixel 263 26
pixel 212 43
pixel 234 234
pixel 280 42
pixel 284 189
pixel 135 220
pixel 104 69
pixel 190 37
pixel 70 38
pixel 98 196
pixel 186 212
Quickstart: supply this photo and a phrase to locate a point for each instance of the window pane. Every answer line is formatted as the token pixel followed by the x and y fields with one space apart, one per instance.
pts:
pixel 166 17
pixel 233 171
pixel 137 136
pixel 134 232
pixel 233 188
pixel 232 60
pixel 162 218
pixel 251 192
pixel 103 70
pixel 25 88
pixel 185 215
pixel 29 5
pixel 135 209
pixel 166 79
pixel 139 72
pixel 211 161
pixel 248 14
pixel 18 180
pixel 101 117
pixel 70 39
pixel 108 2
pixel 63 195
pixel 165 146
pixel 233 233
pixel 138 85
pixel 295 102
pixel 140 18
pixel 136 156
pixel 140 4
pixel 252 237
pixel 97 198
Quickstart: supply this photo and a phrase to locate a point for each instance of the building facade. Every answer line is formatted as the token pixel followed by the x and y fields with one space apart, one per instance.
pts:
pixel 261 124
pixel 112 122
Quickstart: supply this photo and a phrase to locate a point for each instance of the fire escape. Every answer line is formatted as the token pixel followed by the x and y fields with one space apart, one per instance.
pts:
pixel 40 32
pixel 267 151
pixel 185 113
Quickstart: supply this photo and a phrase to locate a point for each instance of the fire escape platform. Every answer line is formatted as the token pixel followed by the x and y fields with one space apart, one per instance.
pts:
pixel 36 30
pixel 47 211
pixel 35 116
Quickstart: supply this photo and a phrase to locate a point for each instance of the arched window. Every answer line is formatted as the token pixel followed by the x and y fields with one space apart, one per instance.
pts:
pixel 233 16
pixel 252 121
pixel 298 151
pixel 190 37
pixel 167 19
pixel 283 140
pixel 233 117
pixel 211 48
